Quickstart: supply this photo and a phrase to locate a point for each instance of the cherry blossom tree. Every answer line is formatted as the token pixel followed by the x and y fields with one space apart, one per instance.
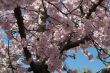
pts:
pixel 42 31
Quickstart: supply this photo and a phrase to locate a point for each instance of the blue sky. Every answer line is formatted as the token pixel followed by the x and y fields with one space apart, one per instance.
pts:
pixel 4 36
pixel 80 63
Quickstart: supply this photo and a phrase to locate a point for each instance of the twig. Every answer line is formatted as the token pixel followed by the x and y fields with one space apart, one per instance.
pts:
pixel 76 7
pixel 57 8
pixel 99 49
pixel 10 64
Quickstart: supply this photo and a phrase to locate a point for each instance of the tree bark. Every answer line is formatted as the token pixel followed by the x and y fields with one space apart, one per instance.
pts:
pixel 35 67
pixel 93 8
pixel 70 44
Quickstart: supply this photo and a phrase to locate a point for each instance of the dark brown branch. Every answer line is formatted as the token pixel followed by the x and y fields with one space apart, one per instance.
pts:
pixel 105 70
pixel 98 51
pixel 27 54
pixel 93 8
pixel 81 10
pixel 10 63
pixel 65 7
pixel 19 18
pixel 57 8
pixel 69 11
pixel 69 44
pixel 44 13
pixel 81 1
pixel 39 67
pixel 34 67
pixel 45 10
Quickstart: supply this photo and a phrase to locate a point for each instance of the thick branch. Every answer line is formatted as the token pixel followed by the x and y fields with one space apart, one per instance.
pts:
pixel 93 8
pixel 34 67
pixel 70 44
pixel 19 18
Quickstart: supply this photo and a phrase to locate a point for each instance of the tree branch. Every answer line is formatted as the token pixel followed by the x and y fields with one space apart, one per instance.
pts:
pixel 10 63
pixel 57 8
pixel 27 54
pixel 19 18
pixel 99 49
pixel 93 8
pixel 69 44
